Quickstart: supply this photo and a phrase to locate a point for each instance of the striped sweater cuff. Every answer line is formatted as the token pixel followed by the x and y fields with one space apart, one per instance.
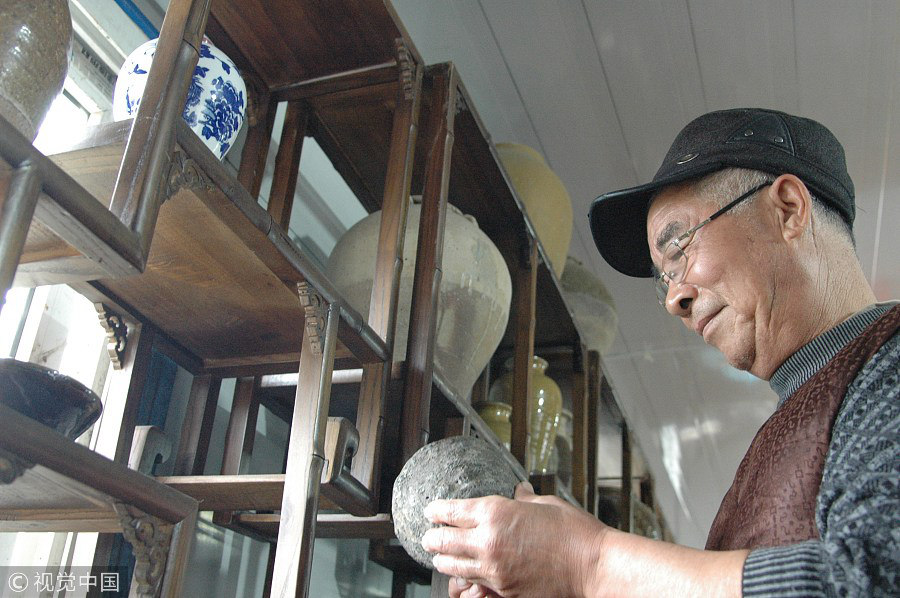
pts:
pixel 789 571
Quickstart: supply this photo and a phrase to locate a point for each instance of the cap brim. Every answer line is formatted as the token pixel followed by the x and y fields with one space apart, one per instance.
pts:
pixel 619 222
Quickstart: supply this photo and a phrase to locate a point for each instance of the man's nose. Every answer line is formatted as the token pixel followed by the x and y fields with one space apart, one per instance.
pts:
pixel 680 299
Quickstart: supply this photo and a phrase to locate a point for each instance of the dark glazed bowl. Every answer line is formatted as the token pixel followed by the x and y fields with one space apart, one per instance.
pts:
pixel 45 395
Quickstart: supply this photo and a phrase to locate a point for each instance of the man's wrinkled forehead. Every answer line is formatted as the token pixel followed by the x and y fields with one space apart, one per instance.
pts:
pixel 674 222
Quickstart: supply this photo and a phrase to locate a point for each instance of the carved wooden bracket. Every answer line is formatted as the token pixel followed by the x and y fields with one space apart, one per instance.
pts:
pixel 407 68
pixel 316 311
pixel 12 467
pixel 149 538
pixel 116 334
pixel 184 173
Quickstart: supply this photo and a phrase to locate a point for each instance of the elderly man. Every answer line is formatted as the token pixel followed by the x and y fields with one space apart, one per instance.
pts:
pixel 746 229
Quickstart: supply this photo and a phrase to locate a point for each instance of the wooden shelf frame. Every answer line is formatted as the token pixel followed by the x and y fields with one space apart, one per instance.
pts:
pixel 352 94
pixel 161 180
pixel 53 484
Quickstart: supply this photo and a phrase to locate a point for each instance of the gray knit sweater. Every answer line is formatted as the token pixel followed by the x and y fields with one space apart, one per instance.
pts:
pixel 858 505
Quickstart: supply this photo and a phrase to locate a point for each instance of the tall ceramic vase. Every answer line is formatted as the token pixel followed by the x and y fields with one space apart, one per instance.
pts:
pixel 545 197
pixel 592 305
pixel 35 41
pixel 544 408
pixel 473 303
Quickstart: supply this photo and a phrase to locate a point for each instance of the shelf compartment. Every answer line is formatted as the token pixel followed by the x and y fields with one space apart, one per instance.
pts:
pixel 285 41
pixel 349 123
pixel 71 235
pixel 221 277
pixel 52 484
pixel 264 526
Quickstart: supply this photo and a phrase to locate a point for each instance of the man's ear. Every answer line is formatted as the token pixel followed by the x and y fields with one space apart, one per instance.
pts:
pixel 792 205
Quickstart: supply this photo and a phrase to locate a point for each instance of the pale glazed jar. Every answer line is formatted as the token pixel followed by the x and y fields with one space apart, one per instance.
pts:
pixel 35 42
pixel 496 415
pixel 545 197
pixel 473 303
pixel 592 305
pixel 544 407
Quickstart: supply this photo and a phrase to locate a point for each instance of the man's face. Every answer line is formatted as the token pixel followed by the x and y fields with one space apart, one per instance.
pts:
pixel 732 288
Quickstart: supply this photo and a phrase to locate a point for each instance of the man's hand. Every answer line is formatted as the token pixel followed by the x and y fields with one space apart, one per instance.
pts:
pixel 530 546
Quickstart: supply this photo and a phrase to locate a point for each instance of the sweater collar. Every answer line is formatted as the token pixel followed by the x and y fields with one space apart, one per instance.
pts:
pixel 811 357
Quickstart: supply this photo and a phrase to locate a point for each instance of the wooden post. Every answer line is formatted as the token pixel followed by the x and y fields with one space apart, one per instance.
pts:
pixel 123 395
pixel 626 479
pixel 594 374
pixel 427 282
pixel 241 426
pixel 196 430
pixel 256 146
pixel 382 319
pixel 136 198
pixel 523 307
pixel 580 426
pixel 306 447
pixel 16 213
pixel 287 164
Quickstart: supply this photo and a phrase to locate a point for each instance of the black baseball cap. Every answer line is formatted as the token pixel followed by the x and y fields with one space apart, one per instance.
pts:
pixel 765 140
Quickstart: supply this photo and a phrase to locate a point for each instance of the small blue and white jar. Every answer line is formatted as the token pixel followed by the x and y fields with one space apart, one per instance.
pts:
pixel 216 100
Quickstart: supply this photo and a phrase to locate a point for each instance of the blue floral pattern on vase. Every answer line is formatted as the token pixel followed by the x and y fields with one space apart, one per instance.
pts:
pixel 222 114
pixel 215 105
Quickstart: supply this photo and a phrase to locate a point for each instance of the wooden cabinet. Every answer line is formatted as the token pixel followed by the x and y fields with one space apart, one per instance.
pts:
pixel 158 229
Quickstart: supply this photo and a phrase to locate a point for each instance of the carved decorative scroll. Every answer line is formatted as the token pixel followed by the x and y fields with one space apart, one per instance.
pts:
pixel 315 310
pixel 149 538
pixel 116 334
pixel 184 173
pixel 12 467
pixel 407 68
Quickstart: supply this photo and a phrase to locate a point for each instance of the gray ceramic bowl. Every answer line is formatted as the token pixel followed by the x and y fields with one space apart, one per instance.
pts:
pixel 45 395
pixel 457 467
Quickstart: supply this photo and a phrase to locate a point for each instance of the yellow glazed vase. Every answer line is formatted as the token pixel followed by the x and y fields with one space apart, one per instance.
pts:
pixel 545 197
pixel 496 415
pixel 544 407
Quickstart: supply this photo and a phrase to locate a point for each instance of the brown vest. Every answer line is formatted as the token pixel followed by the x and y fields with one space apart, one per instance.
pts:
pixel 772 501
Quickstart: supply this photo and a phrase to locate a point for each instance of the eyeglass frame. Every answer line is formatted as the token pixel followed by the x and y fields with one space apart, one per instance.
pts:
pixel 662 287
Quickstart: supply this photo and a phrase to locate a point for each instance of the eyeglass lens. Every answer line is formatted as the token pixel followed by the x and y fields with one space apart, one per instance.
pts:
pixel 673 267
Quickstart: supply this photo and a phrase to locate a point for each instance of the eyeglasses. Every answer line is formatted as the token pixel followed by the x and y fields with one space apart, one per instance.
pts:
pixel 674 261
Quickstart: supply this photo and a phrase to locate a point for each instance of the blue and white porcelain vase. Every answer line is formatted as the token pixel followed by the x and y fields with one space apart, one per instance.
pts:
pixel 216 101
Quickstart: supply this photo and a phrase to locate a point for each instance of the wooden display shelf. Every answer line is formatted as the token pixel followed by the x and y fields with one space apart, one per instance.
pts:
pixel 265 526
pixel 221 278
pixel 285 42
pixel 481 428
pixel 96 243
pixel 52 484
pixel 349 123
